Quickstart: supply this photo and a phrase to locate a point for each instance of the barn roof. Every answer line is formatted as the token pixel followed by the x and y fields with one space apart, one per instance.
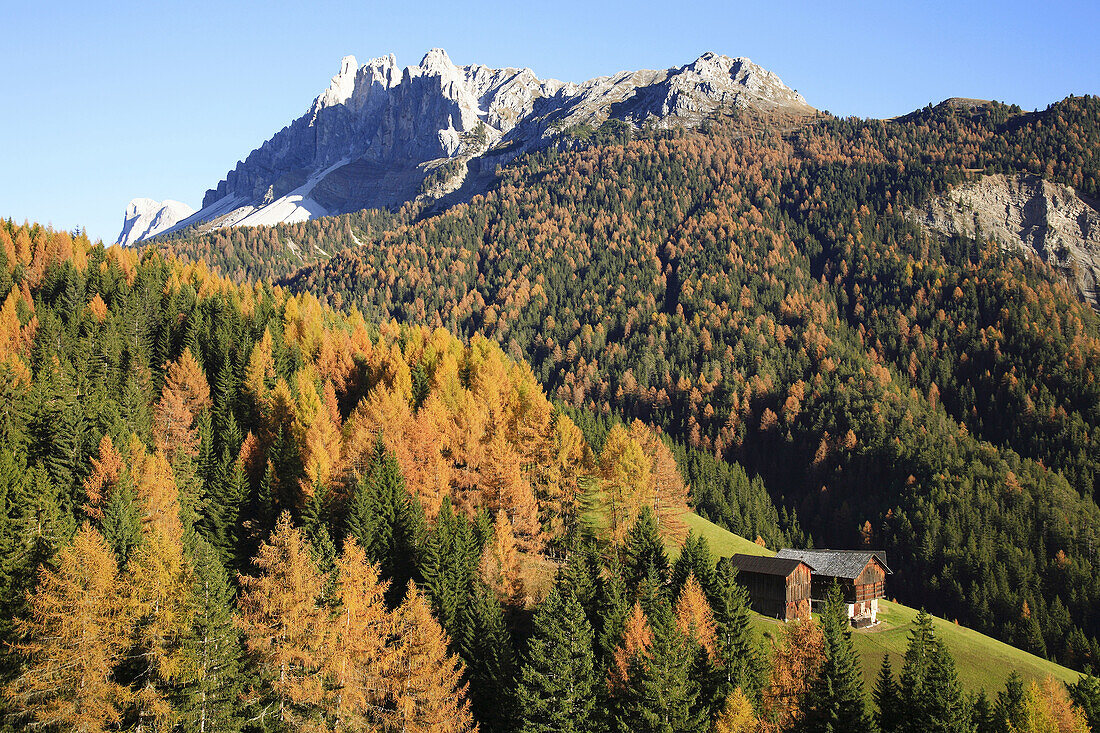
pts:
pixel 765 565
pixel 837 563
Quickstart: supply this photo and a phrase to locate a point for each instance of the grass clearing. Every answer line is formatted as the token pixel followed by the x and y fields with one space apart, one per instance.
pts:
pixel 982 661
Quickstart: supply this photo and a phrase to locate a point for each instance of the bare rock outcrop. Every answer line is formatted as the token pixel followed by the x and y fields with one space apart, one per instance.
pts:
pixel 146 218
pixel 379 135
pixel 1030 214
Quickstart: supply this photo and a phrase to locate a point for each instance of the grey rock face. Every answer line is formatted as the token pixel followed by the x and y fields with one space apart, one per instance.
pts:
pixel 1030 214
pixel 146 218
pixel 371 138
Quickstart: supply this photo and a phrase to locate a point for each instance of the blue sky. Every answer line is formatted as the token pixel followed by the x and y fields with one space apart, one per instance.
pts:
pixel 104 102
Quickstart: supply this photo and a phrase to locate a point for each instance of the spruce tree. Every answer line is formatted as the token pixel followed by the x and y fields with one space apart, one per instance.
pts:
pixel 1086 695
pixel 885 695
pixel 740 664
pixel 947 703
pixel 982 717
pixel 695 559
pixel 486 647
pixel 450 565
pixel 835 698
pixel 929 691
pixel 121 523
pixel 1008 710
pixel 557 683
pixel 386 521
pixel 657 692
pixel 209 696
pixel 643 550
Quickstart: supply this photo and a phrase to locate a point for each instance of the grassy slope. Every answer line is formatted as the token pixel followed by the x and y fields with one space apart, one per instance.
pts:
pixel 723 543
pixel 983 662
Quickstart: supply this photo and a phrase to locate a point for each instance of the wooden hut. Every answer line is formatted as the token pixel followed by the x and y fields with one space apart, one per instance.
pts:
pixel 777 587
pixel 861 575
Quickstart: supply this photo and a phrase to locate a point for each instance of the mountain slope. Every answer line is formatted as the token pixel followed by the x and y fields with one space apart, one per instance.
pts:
pixel 147 218
pixel 374 136
pixel 762 294
pixel 982 661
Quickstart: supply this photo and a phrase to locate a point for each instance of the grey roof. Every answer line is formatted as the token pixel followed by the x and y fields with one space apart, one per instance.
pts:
pixel 765 565
pixel 837 563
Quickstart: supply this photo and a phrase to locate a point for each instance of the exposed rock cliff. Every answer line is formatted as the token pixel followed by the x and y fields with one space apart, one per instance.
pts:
pixel 374 135
pixel 146 218
pixel 1031 214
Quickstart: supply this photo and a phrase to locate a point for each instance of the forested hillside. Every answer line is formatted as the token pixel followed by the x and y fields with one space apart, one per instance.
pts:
pixel 230 508
pixel 761 294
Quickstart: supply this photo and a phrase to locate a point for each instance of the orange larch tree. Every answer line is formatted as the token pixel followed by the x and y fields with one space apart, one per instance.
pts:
pixel 637 638
pixel 359 655
pixel 796 659
pixel 185 394
pixel 427 694
pixel 107 469
pixel 73 639
pixel 283 623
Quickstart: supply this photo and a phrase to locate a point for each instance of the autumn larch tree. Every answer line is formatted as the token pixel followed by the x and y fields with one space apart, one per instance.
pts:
pixel 359 655
pixel 186 392
pixel 283 624
pixel 426 694
pixel 626 476
pixel 73 639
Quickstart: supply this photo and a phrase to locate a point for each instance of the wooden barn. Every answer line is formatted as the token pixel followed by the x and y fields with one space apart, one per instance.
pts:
pixel 861 575
pixel 779 588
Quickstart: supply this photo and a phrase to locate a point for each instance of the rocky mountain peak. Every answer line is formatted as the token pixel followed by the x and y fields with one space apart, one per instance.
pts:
pixel 372 137
pixel 146 218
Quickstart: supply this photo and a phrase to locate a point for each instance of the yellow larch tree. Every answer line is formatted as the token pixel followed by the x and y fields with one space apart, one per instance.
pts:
pixel 1048 709
pixel 427 694
pixel 737 716
pixel 74 637
pixel 501 565
pixel 316 432
pixel 158 581
pixel 668 494
pixel 283 623
pixel 359 654
pixel 694 617
pixel 626 478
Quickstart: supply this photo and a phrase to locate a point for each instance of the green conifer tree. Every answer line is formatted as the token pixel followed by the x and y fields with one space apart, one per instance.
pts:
pixel 557 683
pixel 835 698
pixel 122 523
pixel 740 663
pixel 660 694
pixel 644 550
pixel 211 692
pixel 694 558
pixel 885 695
pixel 486 647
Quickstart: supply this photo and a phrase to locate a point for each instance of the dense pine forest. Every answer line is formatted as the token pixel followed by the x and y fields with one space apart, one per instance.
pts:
pixel 436 479
pixel 759 292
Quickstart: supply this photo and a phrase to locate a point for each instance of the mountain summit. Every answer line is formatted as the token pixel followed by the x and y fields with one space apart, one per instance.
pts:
pixel 379 136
